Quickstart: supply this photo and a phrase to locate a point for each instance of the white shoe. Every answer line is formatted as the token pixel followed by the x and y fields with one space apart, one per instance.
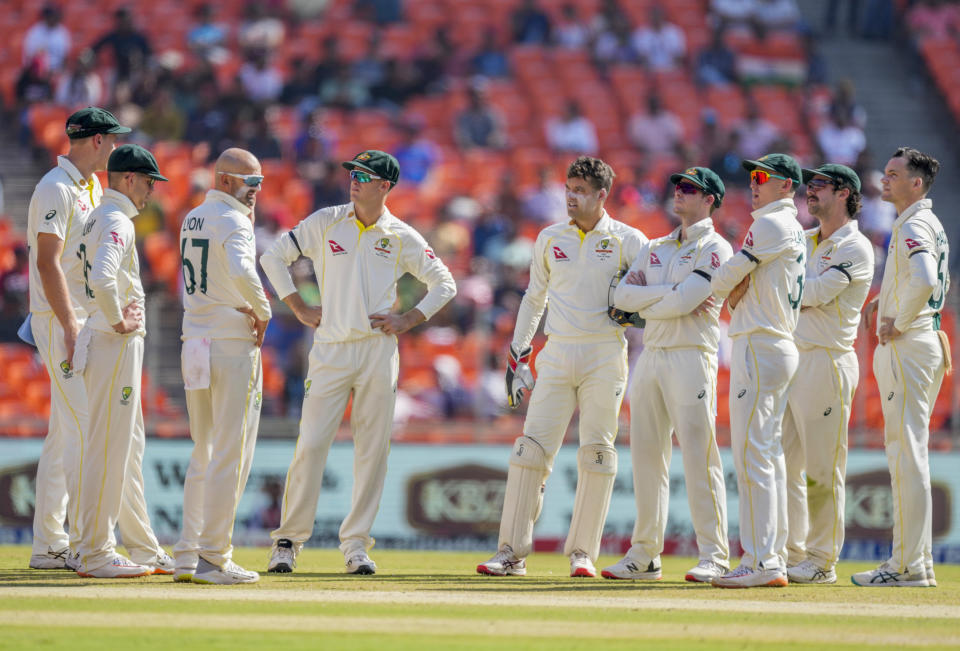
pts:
pixel 72 561
pixel 809 572
pixel 705 571
pixel 931 577
pixel 50 560
pixel 627 568
pixel 230 574
pixel 119 568
pixel 163 563
pixel 184 574
pixel 581 565
pixel 360 563
pixel 504 563
pixel 283 558
pixel 886 576
pixel 746 577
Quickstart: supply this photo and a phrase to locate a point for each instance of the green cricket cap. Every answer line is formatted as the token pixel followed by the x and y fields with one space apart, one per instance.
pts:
pixel 839 174
pixel 782 164
pixel 134 158
pixel 91 121
pixel 379 163
pixel 703 178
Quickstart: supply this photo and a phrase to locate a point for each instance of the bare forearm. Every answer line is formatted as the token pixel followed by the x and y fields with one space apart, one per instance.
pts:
pixel 58 296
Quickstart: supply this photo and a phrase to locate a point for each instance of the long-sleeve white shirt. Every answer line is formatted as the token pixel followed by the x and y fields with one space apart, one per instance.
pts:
pixel 219 254
pixel 61 204
pixel 678 275
pixel 571 271
pixel 915 274
pixel 838 277
pixel 357 268
pixel 108 255
pixel 773 255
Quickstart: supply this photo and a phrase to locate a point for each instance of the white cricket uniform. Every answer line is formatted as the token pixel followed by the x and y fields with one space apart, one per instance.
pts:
pixel 763 362
pixel 674 389
pixel 583 363
pixel 112 450
pixel 60 206
pixel 221 369
pixel 838 277
pixel 358 268
pixel 909 371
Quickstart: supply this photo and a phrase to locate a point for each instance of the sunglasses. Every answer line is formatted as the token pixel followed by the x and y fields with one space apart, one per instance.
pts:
pixel 363 177
pixel 250 180
pixel 685 187
pixel 819 184
pixel 760 177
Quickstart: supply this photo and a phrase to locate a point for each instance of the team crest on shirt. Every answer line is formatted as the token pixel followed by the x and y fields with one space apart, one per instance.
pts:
pixel 604 251
pixel 257 400
pixel 125 394
pixel 335 248
pixel 67 371
pixel 306 387
pixel 383 248
pixel 655 260
pixel 714 260
pixel 558 254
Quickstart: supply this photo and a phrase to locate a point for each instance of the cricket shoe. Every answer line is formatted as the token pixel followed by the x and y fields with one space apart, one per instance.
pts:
pixel 886 576
pixel 504 563
pixel 50 560
pixel 118 568
pixel 229 574
pixel 705 571
pixel 362 564
pixel 627 568
pixel 184 574
pixel 581 565
pixel 73 561
pixel 809 572
pixel 747 577
pixel 931 577
pixel 284 558
pixel 163 563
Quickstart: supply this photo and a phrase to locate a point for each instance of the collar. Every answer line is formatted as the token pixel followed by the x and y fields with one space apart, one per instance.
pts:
pixel 913 209
pixel 219 195
pixel 786 204
pixel 381 222
pixel 852 227
pixel 602 226
pixel 121 201
pixel 64 163
pixel 695 231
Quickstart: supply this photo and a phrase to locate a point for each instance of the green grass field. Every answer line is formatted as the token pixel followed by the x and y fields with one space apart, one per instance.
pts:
pixel 435 600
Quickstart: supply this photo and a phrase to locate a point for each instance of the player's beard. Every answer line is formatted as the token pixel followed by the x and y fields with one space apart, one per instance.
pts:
pixel 241 196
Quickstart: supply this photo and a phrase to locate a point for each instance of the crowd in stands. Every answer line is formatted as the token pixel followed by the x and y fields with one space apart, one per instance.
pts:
pixel 483 120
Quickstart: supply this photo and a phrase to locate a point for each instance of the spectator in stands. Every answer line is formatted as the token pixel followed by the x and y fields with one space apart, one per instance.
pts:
pixel 479 125
pixel 844 102
pixel 369 68
pixel 34 84
pixel 162 119
pixel 531 26
pixel 344 91
pixel 207 121
pixel 328 186
pixel 755 134
pixel 660 45
pixel 260 139
pixel 878 19
pixel 573 133
pixel 438 60
pixel 381 12
pixel 450 397
pixel 81 85
pixel 48 38
pixel 416 154
pixel 208 39
pixel 330 61
pixel 817 67
pixel 261 80
pixel 830 16
pixel 657 131
pixel 612 45
pixel 301 88
pixel 935 19
pixel 546 203
pixel 314 143
pixel 259 31
pixel 14 283
pixel 130 48
pixel 840 140
pixel 736 14
pixel 775 15
pixel 716 63
pixel 490 60
pixel 570 32
pixel 401 81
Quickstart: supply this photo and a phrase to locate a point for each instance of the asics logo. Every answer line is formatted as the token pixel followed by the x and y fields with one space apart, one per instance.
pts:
pixel 827 412
pixel 742 393
pixel 701 394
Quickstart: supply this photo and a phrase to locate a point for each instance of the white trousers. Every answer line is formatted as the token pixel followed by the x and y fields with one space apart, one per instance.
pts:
pixel 111 479
pixel 224 420
pixel 815 449
pixel 57 474
pixel 368 368
pixel 676 391
pixel 909 371
pixel 760 371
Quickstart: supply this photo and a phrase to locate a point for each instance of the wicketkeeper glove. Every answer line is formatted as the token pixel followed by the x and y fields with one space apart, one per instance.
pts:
pixel 519 375
pixel 626 318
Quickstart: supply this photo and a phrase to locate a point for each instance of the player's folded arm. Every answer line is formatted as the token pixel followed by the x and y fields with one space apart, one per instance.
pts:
pixel 682 298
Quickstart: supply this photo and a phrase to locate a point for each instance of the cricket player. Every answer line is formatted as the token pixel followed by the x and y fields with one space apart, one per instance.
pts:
pixel 910 362
pixel 771 267
pixel 359 251
pixel 59 209
pixel 584 363
pixel 109 355
pixel 838 277
pixel 674 387
pixel 225 315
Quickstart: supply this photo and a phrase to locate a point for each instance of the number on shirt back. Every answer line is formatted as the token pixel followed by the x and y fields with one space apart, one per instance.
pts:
pixel 795 302
pixel 936 298
pixel 189 270
pixel 82 254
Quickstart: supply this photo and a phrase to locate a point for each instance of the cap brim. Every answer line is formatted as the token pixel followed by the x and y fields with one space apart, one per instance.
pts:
pixel 751 165
pixel 809 174
pixel 350 164
pixel 675 178
pixel 118 129
pixel 156 175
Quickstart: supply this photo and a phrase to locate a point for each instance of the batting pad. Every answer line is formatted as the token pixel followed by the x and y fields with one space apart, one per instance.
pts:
pixel 597 469
pixel 523 497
